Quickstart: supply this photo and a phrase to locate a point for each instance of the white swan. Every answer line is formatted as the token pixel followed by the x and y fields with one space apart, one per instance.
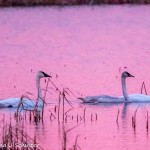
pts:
pixel 14 102
pixel 111 99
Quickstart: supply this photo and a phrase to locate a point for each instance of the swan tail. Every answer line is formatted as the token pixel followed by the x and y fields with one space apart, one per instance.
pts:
pixel 82 99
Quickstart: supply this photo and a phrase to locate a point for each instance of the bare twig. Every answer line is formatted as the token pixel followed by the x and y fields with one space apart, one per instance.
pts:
pixel 117 116
pixel 143 87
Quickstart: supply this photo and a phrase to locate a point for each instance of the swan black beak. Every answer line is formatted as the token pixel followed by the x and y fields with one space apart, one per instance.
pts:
pixel 46 75
pixel 132 76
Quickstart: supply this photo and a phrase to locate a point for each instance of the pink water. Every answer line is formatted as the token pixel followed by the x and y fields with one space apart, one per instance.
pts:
pixel 88 48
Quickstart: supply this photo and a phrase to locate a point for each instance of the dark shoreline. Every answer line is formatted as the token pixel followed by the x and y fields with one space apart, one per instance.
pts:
pixel 7 3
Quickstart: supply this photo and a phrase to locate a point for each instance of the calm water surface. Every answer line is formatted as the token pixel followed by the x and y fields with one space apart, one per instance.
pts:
pixel 88 48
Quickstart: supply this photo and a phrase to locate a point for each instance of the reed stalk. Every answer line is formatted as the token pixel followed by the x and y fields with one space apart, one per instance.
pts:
pixel 117 116
pixel 134 118
pixel 143 88
pixel 84 114
pixel 147 121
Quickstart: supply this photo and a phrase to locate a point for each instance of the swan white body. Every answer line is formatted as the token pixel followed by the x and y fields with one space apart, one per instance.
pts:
pixel 139 98
pixel 14 102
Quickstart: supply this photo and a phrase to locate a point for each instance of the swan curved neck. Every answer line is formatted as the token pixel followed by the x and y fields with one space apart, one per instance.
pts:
pixel 124 89
pixel 39 93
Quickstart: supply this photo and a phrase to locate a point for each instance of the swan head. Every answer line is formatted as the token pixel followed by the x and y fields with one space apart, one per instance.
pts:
pixel 41 74
pixel 126 74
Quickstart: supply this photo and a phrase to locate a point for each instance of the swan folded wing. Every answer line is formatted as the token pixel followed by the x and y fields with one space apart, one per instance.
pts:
pixel 110 99
pixel 102 99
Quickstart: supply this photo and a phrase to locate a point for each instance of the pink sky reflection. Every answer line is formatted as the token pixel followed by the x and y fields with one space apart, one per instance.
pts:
pixel 86 47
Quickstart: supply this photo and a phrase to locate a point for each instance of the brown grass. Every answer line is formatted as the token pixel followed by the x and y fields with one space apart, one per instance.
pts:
pixel 14 137
pixel 68 2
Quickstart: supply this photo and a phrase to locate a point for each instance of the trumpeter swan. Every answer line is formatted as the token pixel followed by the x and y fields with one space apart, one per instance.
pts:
pixel 14 102
pixel 110 99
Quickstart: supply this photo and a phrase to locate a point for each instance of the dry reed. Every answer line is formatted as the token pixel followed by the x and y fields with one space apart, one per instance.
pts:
pixel 134 118
pixel 14 138
pixel 64 142
pixel 147 121
pixel 143 88
pixel 117 116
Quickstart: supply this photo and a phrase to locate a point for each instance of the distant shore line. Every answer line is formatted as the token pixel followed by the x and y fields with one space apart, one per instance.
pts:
pixel 68 2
